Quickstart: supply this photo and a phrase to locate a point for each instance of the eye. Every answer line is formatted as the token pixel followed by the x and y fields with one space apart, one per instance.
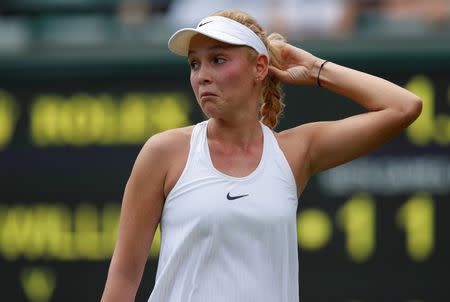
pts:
pixel 193 65
pixel 219 60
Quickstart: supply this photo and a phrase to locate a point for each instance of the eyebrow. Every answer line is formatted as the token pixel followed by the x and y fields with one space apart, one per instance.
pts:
pixel 213 47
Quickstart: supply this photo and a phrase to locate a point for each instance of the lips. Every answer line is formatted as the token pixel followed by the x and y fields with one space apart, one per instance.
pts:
pixel 206 94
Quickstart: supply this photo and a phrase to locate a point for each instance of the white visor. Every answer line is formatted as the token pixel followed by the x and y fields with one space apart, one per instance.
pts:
pixel 219 28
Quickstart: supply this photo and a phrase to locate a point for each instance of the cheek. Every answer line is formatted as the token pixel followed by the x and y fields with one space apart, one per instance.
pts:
pixel 194 84
pixel 233 75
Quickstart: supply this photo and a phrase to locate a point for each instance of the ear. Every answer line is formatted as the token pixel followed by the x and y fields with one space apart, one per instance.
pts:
pixel 261 66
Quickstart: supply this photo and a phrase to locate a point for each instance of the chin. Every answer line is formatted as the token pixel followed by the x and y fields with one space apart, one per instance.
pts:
pixel 210 112
pixel 210 115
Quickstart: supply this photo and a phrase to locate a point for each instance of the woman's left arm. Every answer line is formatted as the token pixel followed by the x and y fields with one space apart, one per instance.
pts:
pixel 391 108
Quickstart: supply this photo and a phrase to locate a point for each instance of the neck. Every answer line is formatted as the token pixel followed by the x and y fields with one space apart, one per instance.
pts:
pixel 240 134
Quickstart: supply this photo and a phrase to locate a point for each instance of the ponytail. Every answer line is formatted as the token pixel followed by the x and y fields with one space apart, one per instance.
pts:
pixel 272 98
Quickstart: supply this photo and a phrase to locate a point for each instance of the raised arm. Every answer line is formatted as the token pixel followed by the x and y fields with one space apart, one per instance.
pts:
pixel 140 214
pixel 391 108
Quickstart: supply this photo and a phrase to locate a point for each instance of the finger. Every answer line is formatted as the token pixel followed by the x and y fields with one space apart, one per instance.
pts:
pixel 297 73
pixel 280 74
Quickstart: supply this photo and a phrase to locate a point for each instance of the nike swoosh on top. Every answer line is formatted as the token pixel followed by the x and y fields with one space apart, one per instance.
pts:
pixel 201 24
pixel 229 197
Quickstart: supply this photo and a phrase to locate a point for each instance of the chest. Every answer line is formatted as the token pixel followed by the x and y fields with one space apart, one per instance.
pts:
pixel 236 162
pixel 213 202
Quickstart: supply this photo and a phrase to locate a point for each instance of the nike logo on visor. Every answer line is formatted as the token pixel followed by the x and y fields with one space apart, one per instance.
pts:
pixel 229 197
pixel 201 24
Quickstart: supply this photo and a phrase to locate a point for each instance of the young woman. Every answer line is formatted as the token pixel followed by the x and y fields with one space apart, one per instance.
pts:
pixel 225 191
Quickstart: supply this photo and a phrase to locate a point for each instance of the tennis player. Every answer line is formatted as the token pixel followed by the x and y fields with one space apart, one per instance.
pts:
pixel 225 190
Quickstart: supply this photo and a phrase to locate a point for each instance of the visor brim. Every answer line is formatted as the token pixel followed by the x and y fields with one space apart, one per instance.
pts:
pixel 179 42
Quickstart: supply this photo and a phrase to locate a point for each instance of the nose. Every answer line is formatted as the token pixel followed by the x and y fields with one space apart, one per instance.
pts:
pixel 204 75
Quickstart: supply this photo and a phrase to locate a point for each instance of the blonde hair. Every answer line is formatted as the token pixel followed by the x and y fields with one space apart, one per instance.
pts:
pixel 272 99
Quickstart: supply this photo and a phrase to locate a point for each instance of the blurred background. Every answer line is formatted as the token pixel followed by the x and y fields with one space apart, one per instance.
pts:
pixel 84 83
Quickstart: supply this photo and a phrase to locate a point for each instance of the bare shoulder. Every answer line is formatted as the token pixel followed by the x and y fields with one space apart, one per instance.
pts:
pixel 296 137
pixel 169 142
pixel 302 135
pixel 163 149
pixel 167 153
pixel 295 143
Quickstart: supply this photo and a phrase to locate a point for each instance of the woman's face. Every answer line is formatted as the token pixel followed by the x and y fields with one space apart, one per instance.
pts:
pixel 223 78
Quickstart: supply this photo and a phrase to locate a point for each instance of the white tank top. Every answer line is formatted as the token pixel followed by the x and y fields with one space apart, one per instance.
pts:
pixel 229 239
